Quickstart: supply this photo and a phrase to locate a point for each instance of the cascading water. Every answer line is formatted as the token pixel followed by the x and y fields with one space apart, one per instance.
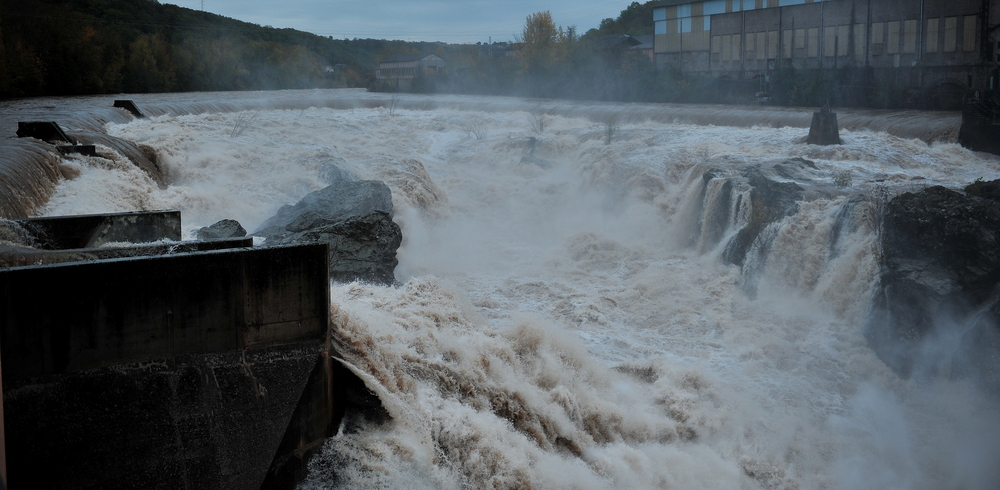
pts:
pixel 650 313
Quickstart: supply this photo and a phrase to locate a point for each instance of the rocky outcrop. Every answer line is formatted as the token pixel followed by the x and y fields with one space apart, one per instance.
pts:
pixel 939 283
pixel 227 228
pixel 355 218
pixel 770 200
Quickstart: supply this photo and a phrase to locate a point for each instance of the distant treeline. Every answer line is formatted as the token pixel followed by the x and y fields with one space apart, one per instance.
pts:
pixel 76 47
pixel 63 47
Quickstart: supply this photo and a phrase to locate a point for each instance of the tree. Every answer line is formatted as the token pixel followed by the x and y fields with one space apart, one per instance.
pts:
pixel 542 54
pixel 540 40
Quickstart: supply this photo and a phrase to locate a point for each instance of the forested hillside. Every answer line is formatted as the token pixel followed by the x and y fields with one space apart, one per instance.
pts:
pixel 635 20
pixel 69 47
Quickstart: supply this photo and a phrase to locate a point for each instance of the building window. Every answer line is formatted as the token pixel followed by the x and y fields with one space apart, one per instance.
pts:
pixel 813 42
pixel 786 43
pixel 717 49
pixel 829 41
pixel 843 39
pixel 800 39
pixel 712 7
pixel 772 45
pixel 750 45
pixel 950 34
pixel 878 37
pixel 685 24
pixel 737 49
pixel 892 44
pixel 910 36
pixel 859 41
pixel 932 36
pixel 761 46
pixel 969 33
pixel 727 48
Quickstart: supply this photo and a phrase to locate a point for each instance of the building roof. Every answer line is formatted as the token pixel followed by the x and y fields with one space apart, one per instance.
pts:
pixel 645 41
pixel 615 40
pixel 399 58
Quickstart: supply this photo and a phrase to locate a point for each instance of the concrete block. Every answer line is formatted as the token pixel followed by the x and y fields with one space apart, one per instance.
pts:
pixel 130 310
pixel 200 370
pixel 85 150
pixel 94 230
pixel 824 129
pixel 43 130
pixel 129 106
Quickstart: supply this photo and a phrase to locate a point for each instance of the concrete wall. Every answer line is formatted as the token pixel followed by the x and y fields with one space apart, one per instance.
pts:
pixel 95 230
pixel 13 256
pixel 183 371
pixel 83 315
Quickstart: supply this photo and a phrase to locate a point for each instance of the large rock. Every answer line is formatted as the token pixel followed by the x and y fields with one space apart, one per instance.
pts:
pixel 940 272
pixel 227 228
pixel 771 200
pixel 355 218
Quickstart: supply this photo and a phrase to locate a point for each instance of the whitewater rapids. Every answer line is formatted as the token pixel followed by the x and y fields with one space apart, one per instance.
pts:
pixel 555 328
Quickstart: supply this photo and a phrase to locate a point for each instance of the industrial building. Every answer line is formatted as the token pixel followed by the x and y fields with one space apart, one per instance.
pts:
pixel 399 71
pixel 936 49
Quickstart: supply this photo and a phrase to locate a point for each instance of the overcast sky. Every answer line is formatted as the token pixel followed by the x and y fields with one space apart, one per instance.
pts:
pixel 452 21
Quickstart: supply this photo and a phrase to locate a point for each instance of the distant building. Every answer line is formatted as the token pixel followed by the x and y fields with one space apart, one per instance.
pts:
pixel 934 46
pixel 624 47
pixel 612 42
pixel 645 46
pixel 401 69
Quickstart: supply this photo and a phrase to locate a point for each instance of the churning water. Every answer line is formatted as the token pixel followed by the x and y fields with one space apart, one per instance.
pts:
pixel 566 318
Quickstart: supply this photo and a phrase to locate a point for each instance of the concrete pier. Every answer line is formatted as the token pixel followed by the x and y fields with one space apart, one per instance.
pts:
pixel 824 129
pixel 43 130
pixel 129 106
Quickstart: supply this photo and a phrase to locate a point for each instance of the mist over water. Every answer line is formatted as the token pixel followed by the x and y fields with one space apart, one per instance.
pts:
pixel 565 318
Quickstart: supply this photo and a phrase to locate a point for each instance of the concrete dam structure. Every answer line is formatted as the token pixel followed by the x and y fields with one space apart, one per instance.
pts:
pixel 208 367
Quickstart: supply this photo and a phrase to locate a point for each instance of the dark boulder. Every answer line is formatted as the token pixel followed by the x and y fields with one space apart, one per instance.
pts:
pixel 227 228
pixel 771 201
pixel 355 218
pixel 940 272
